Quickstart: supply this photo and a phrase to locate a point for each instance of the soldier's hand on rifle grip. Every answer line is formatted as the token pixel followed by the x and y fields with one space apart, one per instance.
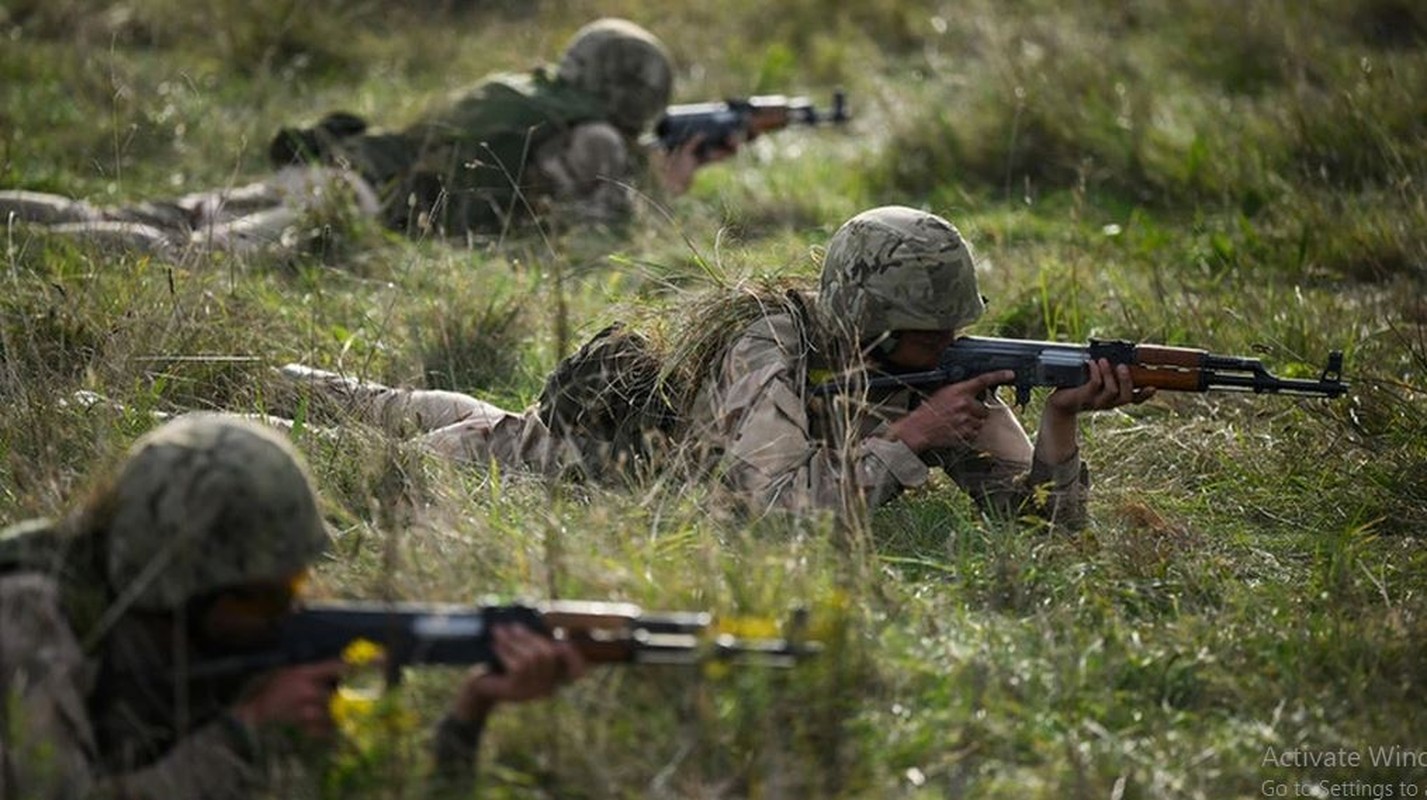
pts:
pixel 535 666
pixel 299 697
pixel 951 416
pixel 675 168
pixel 723 149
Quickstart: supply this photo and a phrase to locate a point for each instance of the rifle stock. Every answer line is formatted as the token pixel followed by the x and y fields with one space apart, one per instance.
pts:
pixel 414 634
pixel 1055 364
pixel 720 122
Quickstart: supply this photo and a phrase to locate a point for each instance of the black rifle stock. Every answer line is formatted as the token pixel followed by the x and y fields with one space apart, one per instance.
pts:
pixel 413 634
pixel 719 122
pixel 1054 364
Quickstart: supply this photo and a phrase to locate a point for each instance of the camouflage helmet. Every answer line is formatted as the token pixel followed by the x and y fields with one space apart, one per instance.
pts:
pixel 623 65
pixel 897 268
pixel 209 501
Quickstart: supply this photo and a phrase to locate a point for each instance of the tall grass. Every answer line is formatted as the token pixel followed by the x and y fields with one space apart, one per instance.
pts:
pixel 1243 178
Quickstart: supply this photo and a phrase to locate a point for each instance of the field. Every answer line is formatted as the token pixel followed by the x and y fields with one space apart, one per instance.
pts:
pixel 1246 178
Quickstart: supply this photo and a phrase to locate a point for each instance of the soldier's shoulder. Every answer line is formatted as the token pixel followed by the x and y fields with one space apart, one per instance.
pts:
pixel 784 322
pixel 596 132
pixel 773 327
pixel 505 85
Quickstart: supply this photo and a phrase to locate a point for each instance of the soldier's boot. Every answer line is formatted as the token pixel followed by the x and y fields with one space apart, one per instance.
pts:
pixel 341 396
pixel 325 394
pixel 166 215
pixel 90 401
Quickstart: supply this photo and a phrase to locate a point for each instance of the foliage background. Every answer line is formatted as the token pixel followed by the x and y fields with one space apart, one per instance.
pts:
pixel 1246 178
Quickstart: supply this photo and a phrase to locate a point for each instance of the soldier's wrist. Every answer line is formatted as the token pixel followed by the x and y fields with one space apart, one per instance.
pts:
pixel 240 735
pixel 908 435
pixel 465 734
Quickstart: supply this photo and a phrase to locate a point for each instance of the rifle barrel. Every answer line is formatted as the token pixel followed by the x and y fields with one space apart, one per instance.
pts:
pixel 1057 364
pixel 414 634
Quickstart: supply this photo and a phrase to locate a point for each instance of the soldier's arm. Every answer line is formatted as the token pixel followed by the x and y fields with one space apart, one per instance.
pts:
pixel 1008 478
pixel 1056 486
pixel 454 745
pixel 52 752
pixel 215 761
pixel 535 666
pixel 46 744
pixel 769 452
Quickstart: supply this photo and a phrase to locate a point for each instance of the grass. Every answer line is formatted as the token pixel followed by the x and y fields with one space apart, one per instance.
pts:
pixel 1246 179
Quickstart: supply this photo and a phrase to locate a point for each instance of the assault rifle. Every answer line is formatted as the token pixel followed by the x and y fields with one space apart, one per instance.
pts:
pixel 720 122
pixel 1176 369
pixel 412 634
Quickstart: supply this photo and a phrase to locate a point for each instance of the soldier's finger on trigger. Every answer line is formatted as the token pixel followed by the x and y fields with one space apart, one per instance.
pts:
pixel 1127 384
pixel 990 380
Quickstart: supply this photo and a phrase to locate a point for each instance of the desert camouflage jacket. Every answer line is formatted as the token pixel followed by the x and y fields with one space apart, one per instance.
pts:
pixel 779 448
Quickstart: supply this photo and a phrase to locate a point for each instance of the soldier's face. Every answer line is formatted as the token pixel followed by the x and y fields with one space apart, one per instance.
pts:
pixel 919 350
pixel 246 616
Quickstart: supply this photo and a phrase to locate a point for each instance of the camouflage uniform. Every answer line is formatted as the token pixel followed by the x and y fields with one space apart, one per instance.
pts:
pixel 179 521
pixel 557 142
pixel 51 746
pixel 885 270
pixel 753 425
pixel 454 425
pixel 262 216
pixel 601 414
pixel 204 503
pixel 752 422
pixel 776 448
pixel 560 142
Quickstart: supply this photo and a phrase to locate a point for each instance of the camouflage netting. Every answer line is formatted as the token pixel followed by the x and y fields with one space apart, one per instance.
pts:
pixel 613 390
pixel 714 319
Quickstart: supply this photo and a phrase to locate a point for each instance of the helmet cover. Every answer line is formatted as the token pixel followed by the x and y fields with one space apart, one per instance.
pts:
pixel 205 502
pixel 625 66
pixel 897 268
